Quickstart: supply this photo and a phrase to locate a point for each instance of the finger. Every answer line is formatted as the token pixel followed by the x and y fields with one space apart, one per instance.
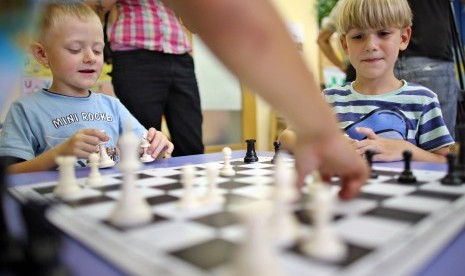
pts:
pixel 368 132
pixel 157 145
pixel 99 134
pixel 304 164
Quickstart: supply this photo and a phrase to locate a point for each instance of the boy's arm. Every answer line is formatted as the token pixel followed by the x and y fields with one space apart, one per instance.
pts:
pixel 81 144
pixel 324 41
pixel 391 149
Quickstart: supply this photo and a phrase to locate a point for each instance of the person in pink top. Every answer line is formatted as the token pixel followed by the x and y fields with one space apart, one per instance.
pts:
pixel 153 71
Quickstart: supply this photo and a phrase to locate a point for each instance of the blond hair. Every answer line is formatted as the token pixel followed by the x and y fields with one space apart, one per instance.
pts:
pixel 373 14
pixel 54 12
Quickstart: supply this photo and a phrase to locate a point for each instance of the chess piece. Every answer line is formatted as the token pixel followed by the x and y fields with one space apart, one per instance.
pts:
pixel 67 183
pixel 276 145
pixel 227 169
pixel 189 198
pixel 460 166
pixel 283 223
pixel 256 255
pixel 406 176
pixel 323 243
pixel 131 209
pixel 213 195
pixel 452 178
pixel 94 178
pixel 369 156
pixel 250 155
pixel 145 145
pixel 105 160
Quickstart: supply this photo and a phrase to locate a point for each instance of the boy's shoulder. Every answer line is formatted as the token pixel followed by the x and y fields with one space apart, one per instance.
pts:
pixel 418 89
pixel 337 89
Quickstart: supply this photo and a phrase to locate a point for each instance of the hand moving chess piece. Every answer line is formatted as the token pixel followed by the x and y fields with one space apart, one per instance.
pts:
pixel 67 184
pixel 251 155
pixel 145 145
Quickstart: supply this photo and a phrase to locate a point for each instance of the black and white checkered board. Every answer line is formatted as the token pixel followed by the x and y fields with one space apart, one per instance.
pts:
pixel 390 228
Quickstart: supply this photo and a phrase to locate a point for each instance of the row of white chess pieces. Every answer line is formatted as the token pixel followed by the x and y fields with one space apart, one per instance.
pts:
pixel 267 223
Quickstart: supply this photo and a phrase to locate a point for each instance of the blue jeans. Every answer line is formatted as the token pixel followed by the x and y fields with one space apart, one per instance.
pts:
pixel 439 77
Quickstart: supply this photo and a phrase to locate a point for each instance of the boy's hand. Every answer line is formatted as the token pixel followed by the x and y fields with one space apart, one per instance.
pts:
pixel 384 149
pixel 82 143
pixel 159 144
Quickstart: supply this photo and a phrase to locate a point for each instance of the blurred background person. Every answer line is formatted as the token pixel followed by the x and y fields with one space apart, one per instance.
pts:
pixel 428 60
pixel 335 55
pixel 153 72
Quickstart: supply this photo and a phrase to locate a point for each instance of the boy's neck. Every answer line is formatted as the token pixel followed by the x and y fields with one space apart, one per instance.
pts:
pixel 376 86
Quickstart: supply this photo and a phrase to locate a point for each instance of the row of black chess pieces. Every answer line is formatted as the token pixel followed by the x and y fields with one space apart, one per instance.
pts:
pixel 455 173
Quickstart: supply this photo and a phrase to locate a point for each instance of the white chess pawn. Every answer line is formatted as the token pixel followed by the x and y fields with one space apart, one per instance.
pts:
pixel 189 198
pixel 105 160
pixel 283 223
pixel 323 243
pixel 256 255
pixel 144 145
pixel 227 169
pixel 94 178
pixel 67 183
pixel 213 195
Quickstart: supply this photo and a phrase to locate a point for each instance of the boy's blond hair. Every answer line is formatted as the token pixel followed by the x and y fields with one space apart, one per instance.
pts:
pixel 373 14
pixel 54 12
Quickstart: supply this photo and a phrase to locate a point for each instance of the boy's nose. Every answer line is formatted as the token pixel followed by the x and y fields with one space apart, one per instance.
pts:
pixel 371 43
pixel 89 57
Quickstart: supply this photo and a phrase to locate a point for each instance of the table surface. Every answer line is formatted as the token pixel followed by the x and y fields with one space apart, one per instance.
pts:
pixel 82 261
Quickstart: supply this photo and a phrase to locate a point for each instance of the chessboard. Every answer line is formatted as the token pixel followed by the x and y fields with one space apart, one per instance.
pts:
pixel 389 228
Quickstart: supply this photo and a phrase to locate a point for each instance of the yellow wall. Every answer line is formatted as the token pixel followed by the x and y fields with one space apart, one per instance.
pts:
pixel 294 11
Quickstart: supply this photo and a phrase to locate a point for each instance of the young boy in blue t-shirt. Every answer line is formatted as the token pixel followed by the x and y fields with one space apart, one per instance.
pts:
pixel 67 118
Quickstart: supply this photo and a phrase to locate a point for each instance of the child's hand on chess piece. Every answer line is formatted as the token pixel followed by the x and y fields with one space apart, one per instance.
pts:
pixel 159 144
pixel 391 149
pixel 82 143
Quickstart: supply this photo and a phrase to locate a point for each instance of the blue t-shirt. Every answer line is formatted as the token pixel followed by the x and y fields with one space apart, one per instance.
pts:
pixel 40 121
pixel 411 113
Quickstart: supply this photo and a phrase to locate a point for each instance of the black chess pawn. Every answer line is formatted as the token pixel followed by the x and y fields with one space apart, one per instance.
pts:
pixel 452 177
pixel 406 176
pixel 250 155
pixel 369 156
pixel 460 166
pixel 277 145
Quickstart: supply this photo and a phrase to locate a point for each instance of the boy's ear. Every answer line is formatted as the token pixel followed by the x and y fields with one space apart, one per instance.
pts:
pixel 342 39
pixel 38 51
pixel 405 38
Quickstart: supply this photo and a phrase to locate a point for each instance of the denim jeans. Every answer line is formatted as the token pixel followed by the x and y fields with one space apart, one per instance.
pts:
pixel 437 75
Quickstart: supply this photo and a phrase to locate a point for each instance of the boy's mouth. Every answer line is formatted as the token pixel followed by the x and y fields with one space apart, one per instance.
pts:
pixel 87 71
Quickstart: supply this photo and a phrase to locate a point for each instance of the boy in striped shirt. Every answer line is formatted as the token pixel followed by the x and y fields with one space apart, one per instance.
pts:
pixel 378 111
